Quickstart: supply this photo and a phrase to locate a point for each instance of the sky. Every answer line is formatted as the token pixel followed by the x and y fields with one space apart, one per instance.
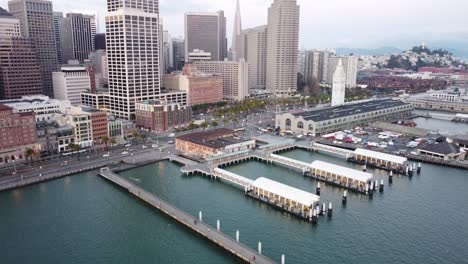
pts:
pixel 330 23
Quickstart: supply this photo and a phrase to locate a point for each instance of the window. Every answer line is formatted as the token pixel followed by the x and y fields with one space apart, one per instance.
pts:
pixel 288 122
pixel 300 125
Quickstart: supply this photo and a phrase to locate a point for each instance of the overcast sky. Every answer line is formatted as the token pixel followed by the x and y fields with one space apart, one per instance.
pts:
pixel 330 23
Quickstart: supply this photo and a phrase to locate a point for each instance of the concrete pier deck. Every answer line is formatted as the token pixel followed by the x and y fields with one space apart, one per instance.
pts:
pixel 237 249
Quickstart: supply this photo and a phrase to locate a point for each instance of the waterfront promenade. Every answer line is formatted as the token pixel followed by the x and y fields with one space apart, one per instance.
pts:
pixel 241 251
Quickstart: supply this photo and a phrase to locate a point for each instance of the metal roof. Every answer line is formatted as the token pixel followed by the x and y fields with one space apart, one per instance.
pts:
pixel 288 192
pixel 4 13
pixel 348 110
pixel 342 171
pixel 381 156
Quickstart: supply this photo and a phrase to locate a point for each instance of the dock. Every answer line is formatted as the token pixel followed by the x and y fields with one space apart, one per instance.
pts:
pixel 232 246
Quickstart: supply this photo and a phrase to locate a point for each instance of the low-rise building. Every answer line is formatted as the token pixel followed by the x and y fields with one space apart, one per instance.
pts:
pixel 212 143
pixel 437 104
pixel 70 82
pixel 319 122
pixel 443 150
pixel 42 106
pixel 17 133
pixel 160 116
pixel 99 124
pixel 201 88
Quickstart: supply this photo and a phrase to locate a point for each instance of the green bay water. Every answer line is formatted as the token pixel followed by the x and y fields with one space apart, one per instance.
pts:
pixel 84 219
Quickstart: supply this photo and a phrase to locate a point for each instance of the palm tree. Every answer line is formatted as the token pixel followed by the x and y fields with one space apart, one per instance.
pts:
pixel 225 121
pixel 192 126
pixel 214 124
pixel 75 148
pixel 113 141
pixel 105 140
pixel 36 154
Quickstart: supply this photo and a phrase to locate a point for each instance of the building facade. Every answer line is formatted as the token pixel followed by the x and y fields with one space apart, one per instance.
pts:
pixel 323 121
pixel 70 82
pixel 20 72
pixel 211 143
pixel 37 23
pixel 178 53
pixel 159 116
pixel 206 31
pixel 235 77
pixel 201 88
pixel 350 64
pixel 339 85
pixel 99 124
pixel 282 47
pixel 316 66
pixel 237 29
pixel 253 48
pixel 17 133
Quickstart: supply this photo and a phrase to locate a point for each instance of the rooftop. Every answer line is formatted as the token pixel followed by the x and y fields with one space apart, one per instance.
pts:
pixel 4 13
pixel 381 156
pixel 348 110
pixel 443 148
pixel 343 171
pixel 5 108
pixel 288 192
pixel 217 138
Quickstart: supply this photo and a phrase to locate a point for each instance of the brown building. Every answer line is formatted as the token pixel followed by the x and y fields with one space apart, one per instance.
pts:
pixel 201 88
pixel 213 142
pixel 20 72
pixel 160 116
pixel 17 133
pixel 99 124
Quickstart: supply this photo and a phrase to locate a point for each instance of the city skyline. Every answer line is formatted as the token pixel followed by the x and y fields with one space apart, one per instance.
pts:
pixel 339 24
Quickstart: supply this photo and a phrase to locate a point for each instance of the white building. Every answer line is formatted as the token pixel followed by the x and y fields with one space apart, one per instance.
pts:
pixel 235 77
pixel 339 85
pixel 70 82
pixel 198 55
pixel 282 47
pixel 42 106
pixel 9 26
pixel 235 34
pixel 81 122
pixel 350 64
pixel 253 48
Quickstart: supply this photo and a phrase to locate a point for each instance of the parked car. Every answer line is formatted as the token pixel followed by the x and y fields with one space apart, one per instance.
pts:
pixel 125 153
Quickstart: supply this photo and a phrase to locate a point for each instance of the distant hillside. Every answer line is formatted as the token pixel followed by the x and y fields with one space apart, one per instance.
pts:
pixel 372 52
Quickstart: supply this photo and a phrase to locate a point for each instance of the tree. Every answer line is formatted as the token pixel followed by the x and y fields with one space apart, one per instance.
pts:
pixel 204 125
pixel 214 124
pixel 29 153
pixel 192 126
pixel 235 120
pixel 135 135
pixel 225 121
pixel 36 154
pixel 105 140
pixel 75 148
pixel 113 141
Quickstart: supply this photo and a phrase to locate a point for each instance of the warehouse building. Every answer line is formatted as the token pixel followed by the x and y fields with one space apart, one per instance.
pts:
pixel 319 122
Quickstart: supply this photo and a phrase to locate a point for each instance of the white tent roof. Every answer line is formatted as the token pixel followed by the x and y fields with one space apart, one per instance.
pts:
pixel 380 155
pixel 288 192
pixel 342 171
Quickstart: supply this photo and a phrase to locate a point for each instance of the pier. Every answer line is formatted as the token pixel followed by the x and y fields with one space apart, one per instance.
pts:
pixel 212 234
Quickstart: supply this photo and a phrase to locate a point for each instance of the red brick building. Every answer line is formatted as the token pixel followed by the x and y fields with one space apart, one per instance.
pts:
pixel 158 116
pixel 99 124
pixel 17 133
pixel 201 88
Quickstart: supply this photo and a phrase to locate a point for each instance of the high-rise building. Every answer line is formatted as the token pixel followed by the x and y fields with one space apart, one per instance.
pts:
pixel 206 31
pixel 236 33
pixel 282 47
pixel 100 41
pixel 166 52
pixel 339 85
pixel 74 36
pixel 253 48
pixel 178 53
pixel 235 77
pixel 37 23
pixel 350 64
pixel 133 59
pixel 70 82
pixel 20 73
pixel 316 66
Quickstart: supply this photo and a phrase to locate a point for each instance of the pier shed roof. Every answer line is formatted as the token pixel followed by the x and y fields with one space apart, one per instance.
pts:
pixel 342 171
pixel 285 191
pixel 381 156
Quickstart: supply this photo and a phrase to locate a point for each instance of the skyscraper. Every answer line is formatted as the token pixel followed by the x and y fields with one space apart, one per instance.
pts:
pixel 235 34
pixel 178 53
pixel 316 66
pixel 253 48
pixel 37 23
pixel 58 26
pixel 282 47
pixel 206 31
pixel 20 73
